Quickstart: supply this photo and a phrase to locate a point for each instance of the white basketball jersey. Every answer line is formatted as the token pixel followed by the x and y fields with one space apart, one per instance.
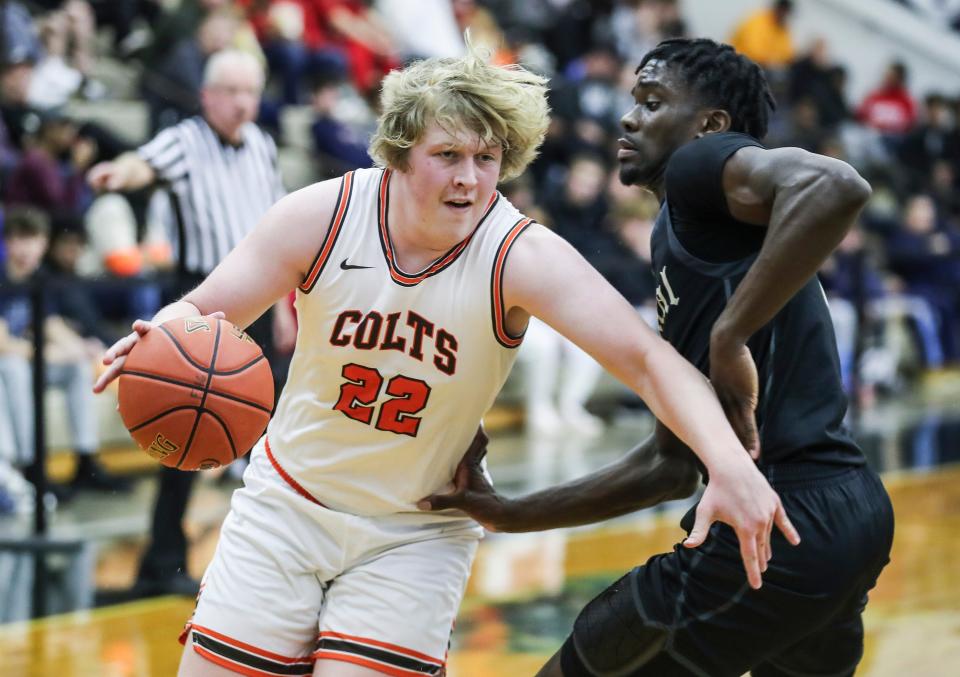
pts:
pixel 392 371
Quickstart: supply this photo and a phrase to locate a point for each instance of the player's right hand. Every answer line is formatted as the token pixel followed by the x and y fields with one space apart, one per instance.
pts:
pixel 103 176
pixel 740 496
pixel 116 354
pixel 733 375
pixel 472 492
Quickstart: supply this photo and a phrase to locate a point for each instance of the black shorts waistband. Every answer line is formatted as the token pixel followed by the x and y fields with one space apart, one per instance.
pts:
pixel 798 475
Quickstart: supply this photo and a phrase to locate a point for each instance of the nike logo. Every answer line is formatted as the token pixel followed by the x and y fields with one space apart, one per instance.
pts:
pixel 349 266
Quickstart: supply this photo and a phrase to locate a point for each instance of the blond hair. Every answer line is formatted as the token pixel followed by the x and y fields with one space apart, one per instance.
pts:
pixel 504 105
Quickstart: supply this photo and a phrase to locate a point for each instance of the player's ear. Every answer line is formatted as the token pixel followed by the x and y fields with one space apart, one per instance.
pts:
pixel 714 121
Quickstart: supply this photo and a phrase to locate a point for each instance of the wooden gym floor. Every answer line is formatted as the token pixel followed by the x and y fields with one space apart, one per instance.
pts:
pixel 526 589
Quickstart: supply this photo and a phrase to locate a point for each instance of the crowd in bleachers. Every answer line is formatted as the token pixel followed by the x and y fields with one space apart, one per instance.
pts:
pixel 897 272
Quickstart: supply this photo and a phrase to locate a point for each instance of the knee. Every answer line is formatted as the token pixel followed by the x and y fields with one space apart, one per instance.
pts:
pixel 611 636
pixel 15 365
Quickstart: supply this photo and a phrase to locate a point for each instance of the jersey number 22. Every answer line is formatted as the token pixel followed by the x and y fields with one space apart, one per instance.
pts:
pixel 358 397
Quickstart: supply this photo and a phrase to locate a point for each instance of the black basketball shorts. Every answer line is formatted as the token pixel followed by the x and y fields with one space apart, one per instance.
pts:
pixel 805 620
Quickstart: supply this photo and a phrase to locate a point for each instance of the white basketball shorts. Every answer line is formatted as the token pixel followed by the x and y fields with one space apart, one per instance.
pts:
pixel 293 582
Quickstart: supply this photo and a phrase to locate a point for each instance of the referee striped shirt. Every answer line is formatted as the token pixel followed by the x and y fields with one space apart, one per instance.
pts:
pixel 223 189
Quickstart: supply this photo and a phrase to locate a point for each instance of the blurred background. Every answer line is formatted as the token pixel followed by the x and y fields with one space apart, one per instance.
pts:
pixel 873 82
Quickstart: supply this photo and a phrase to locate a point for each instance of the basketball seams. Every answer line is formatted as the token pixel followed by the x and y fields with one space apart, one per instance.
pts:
pixel 200 409
pixel 249 364
pixel 190 389
pixel 194 386
pixel 181 349
pixel 165 412
pixel 193 363
pixel 226 430
pixel 157 377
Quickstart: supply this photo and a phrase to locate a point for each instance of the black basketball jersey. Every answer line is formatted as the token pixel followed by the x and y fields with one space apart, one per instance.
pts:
pixel 700 254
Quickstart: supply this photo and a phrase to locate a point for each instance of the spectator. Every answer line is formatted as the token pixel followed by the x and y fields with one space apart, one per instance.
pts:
pixel 50 174
pixel 360 33
pixel 18 36
pixel 804 130
pixel 890 109
pixel 578 214
pixel 340 146
pixel 575 27
pixel 943 186
pixel 9 155
pixel 422 29
pixel 849 283
pixel 638 25
pixel 554 402
pixel 927 259
pixel 120 16
pixel 172 89
pixel 22 118
pixel 815 78
pixel 67 34
pixel 172 25
pixel 69 359
pixel 55 80
pixel 296 43
pixel 222 171
pixel 579 209
pixel 764 36
pixel 935 138
pixel 589 100
pixel 19 117
pixel 75 301
pixel 631 220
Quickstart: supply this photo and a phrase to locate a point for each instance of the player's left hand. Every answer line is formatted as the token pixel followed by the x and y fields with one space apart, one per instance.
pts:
pixel 472 492
pixel 740 496
pixel 733 375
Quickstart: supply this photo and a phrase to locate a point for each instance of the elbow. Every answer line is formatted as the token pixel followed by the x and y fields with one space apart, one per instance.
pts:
pixel 850 190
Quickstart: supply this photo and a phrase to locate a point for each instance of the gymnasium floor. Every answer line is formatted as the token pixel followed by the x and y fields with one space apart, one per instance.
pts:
pixel 526 589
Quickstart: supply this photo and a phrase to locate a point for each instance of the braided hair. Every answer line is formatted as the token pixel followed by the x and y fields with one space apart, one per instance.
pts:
pixel 721 78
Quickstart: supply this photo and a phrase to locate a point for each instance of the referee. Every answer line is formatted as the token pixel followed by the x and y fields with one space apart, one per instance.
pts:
pixel 221 169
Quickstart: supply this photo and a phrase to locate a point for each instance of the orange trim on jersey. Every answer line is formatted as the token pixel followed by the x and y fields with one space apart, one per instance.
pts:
pixel 343 200
pixel 384 645
pixel 365 662
pixel 286 476
pixel 496 290
pixel 398 275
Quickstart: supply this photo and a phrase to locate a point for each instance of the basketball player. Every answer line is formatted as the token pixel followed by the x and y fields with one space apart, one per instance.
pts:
pixel 741 232
pixel 414 284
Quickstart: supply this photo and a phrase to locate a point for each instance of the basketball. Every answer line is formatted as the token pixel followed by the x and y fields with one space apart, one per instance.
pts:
pixel 196 393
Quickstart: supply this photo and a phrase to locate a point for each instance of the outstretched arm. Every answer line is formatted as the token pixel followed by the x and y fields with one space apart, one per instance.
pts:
pixel 575 300
pixel 127 172
pixel 659 469
pixel 808 202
